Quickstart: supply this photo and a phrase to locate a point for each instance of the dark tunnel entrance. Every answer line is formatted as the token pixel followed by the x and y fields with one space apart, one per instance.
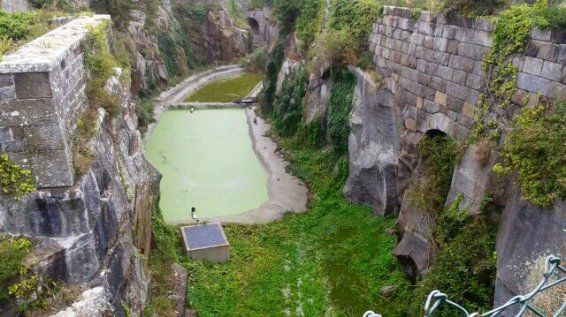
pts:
pixel 253 24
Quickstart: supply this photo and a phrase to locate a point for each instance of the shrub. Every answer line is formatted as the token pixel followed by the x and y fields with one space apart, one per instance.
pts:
pixel 471 7
pixel 334 48
pixel 16 26
pixel 257 61
pixel 272 69
pixel 309 22
pixel 534 148
pixel 168 49
pixel 358 16
pixel 339 108
pixel 144 111
pixel 14 180
pixel 120 10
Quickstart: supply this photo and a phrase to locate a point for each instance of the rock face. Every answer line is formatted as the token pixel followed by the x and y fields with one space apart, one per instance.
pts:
pixel 373 148
pixel 526 234
pixel 93 231
pixel 12 6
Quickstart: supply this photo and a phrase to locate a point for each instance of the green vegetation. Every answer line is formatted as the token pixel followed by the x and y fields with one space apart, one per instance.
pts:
pixel 16 280
pixel 144 111
pixel 256 61
pixel 465 266
pixel 275 60
pixel 465 263
pixel 438 155
pixel 331 260
pixel 227 90
pixel 355 16
pixel 339 108
pixel 100 62
pixel 13 252
pixel 120 10
pixel 18 28
pixel 534 148
pixel 289 112
pixel 166 250
pixel 14 180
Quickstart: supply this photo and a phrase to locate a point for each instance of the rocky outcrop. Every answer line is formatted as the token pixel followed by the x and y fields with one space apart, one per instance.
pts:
pixel 12 6
pixel 373 147
pixel 527 234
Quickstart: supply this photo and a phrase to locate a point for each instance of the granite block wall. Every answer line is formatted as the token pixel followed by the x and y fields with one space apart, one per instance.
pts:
pixel 42 95
pixel 433 65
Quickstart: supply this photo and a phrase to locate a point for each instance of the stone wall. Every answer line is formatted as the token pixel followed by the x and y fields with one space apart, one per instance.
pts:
pixel 42 95
pixel 434 67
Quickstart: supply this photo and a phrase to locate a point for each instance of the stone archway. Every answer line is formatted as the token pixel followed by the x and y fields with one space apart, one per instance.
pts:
pixel 254 25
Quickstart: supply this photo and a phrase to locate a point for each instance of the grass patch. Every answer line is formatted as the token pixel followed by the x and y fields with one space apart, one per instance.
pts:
pixel 227 90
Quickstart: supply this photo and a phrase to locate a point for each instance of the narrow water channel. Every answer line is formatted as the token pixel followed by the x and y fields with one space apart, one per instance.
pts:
pixel 207 161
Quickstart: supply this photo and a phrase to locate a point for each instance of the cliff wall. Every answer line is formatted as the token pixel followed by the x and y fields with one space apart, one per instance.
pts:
pixel 91 230
pixel 432 68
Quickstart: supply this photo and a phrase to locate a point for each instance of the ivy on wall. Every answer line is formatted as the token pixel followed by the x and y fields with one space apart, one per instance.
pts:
pixel 535 149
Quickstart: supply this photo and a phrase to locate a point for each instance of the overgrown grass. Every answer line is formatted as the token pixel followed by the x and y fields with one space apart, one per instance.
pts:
pixel 18 28
pixel 534 148
pixel 332 260
pixel 227 90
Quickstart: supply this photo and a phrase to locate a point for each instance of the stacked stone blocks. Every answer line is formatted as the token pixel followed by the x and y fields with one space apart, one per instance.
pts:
pixel 434 65
pixel 42 95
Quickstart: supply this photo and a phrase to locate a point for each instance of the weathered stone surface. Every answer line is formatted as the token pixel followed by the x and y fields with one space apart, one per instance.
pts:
pixel 527 234
pixel 92 303
pixel 373 146
pixel 472 177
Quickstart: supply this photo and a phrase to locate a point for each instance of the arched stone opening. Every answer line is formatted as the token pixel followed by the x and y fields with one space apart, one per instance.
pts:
pixel 254 25
pixel 433 133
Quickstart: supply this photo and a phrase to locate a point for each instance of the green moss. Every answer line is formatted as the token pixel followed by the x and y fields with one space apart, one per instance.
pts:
pixel 534 149
pixel 144 111
pixel 14 180
pixel 227 90
pixel 339 108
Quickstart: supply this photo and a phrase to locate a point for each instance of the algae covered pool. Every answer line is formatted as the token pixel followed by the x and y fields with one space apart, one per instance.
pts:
pixel 207 161
pixel 227 90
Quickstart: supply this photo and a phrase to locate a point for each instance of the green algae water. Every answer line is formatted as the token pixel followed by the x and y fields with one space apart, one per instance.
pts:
pixel 227 90
pixel 208 162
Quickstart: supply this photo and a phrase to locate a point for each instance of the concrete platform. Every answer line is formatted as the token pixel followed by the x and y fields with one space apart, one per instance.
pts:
pixel 206 242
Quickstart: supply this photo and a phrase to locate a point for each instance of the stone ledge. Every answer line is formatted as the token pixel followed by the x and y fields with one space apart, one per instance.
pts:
pixel 46 52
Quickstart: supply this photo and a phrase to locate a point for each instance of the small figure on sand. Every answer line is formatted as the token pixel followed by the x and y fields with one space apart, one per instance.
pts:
pixel 192 109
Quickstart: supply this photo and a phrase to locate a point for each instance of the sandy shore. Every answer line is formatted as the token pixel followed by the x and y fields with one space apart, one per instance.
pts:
pixel 287 193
